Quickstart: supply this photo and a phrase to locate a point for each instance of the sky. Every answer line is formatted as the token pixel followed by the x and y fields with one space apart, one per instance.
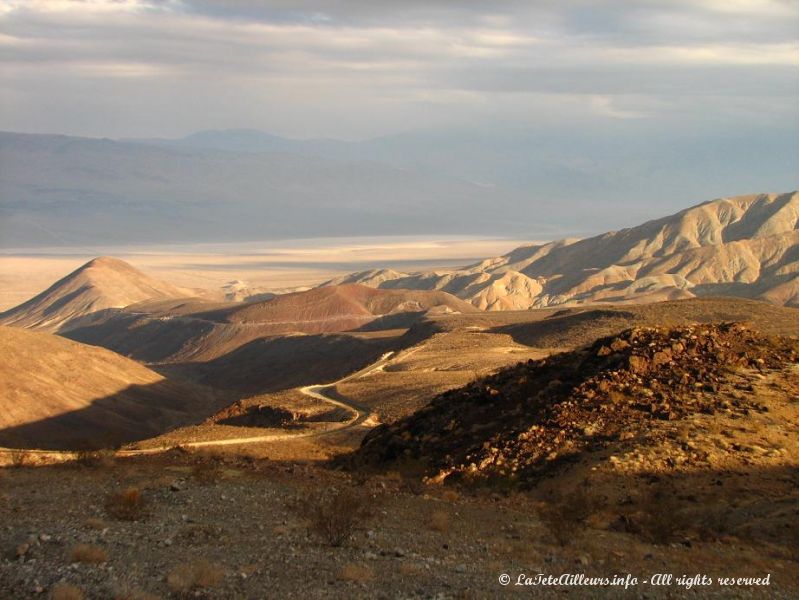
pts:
pixel 365 68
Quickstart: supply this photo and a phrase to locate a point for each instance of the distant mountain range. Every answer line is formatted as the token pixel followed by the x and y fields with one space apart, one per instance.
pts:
pixel 745 246
pixel 235 185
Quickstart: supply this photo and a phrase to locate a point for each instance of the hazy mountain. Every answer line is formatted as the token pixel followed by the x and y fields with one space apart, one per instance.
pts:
pixel 231 185
pixel 592 179
pixel 745 246
pixel 100 284
pixel 56 393
pixel 59 190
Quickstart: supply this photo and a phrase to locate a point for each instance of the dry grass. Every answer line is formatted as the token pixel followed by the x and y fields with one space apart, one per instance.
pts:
pixel 191 577
pixel 206 472
pixel 127 505
pixel 356 573
pixel 439 521
pixel 95 523
pixel 66 591
pixel 450 496
pixel 104 458
pixel 664 516
pixel 88 554
pixel 129 593
pixel 565 514
pixel 335 514
pixel 19 457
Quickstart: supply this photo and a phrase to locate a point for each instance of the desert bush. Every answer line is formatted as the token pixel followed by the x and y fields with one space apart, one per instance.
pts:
pixel 334 514
pixel 88 554
pixel 565 514
pixel 95 523
pixel 439 521
pixel 191 577
pixel 66 591
pixel 356 573
pixel 127 505
pixel 102 458
pixel 19 457
pixel 664 516
pixel 206 472
pixel 129 593
pixel 714 522
pixel 450 496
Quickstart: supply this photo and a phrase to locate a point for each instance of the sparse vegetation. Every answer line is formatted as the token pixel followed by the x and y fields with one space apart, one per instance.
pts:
pixel 128 593
pixel 19 457
pixel 127 505
pixel 564 515
pixel 197 575
pixel 206 472
pixel 356 573
pixel 664 515
pixel 439 521
pixel 102 458
pixel 88 554
pixel 335 514
pixel 66 591
pixel 95 523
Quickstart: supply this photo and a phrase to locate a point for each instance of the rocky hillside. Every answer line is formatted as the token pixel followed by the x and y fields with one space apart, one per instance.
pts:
pixel 525 420
pixel 78 298
pixel 746 246
pixel 56 393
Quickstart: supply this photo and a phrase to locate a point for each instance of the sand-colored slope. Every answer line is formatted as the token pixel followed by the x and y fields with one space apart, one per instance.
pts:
pixel 745 246
pixel 101 284
pixel 56 393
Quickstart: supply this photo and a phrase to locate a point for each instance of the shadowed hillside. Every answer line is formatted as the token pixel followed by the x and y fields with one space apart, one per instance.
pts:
pixel 55 393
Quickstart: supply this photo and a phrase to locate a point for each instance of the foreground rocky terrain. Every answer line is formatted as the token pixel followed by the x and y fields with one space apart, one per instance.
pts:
pixel 526 420
pixel 655 450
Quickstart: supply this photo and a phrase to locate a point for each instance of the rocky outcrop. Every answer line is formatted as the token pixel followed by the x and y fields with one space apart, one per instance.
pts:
pixel 527 419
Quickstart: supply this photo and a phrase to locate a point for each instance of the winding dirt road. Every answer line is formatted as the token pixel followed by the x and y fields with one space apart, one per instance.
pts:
pixel 359 414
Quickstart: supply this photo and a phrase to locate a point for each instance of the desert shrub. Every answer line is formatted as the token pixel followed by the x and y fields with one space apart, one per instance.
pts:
pixel 439 521
pixel 19 457
pixel 191 577
pixel 565 514
pixel 334 514
pixel 95 458
pixel 664 516
pixel 127 505
pixel 450 496
pixel 356 573
pixel 714 522
pixel 206 472
pixel 88 553
pixel 66 591
pixel 129 593
pixel 95 523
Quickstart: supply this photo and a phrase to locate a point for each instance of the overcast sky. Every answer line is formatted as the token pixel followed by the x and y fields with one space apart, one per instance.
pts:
pixel 356 69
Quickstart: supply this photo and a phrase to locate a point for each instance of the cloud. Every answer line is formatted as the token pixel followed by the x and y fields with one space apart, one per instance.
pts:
pixel 359 68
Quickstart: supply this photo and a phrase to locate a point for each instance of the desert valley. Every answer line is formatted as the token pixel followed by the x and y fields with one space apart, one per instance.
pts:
pixel 619 404
pixel 399 300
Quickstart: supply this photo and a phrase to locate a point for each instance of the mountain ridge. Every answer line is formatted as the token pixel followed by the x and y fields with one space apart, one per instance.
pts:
pixel 745 246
